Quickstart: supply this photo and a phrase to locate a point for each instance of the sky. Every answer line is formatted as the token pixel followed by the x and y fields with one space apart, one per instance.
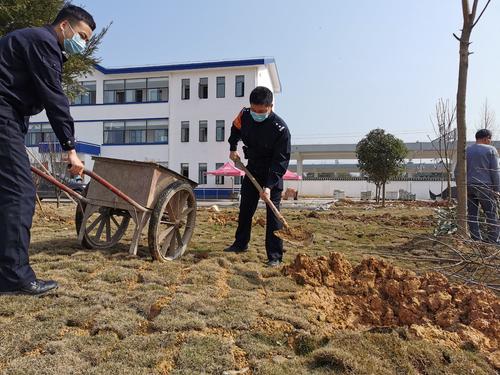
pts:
pixel 346 67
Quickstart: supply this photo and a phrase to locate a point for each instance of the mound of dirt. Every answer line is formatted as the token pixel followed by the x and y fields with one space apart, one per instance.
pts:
pixel 377 293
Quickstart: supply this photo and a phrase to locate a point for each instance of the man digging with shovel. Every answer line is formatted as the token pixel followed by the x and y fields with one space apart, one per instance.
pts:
pixel 31 62
pixel 267 147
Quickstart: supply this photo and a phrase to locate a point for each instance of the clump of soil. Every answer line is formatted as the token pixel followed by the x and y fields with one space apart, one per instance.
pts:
pixel 221 218
pixel 297 236
pixel 377 293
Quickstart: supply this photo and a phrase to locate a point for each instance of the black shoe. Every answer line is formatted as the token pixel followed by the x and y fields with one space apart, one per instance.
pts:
pixel 274 263
pixel 36 288
pixel 236 249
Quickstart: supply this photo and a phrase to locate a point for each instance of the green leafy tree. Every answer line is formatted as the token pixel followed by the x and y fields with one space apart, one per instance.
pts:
pixel 381 158
pixel 17 14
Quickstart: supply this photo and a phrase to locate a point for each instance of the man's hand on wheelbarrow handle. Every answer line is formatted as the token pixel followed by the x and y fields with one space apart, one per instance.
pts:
pixel 75 165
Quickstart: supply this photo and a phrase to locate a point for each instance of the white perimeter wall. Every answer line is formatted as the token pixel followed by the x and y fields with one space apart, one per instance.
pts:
pixel 353 189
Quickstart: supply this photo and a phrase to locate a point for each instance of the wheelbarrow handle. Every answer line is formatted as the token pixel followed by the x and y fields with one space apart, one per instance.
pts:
pixel 60 185
pixel 265 198
pixel 113 189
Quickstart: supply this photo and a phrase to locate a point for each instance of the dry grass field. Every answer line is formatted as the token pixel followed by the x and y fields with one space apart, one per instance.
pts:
pixel 214 313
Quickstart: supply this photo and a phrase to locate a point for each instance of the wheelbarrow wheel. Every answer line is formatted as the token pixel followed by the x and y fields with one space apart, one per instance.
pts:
pixel 104 228
pixel 172 222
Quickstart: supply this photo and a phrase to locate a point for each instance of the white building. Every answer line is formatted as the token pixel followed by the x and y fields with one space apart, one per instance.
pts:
pixel 178 115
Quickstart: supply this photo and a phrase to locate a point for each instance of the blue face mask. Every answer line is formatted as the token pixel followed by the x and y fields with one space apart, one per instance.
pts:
pixel 259 117
pixel 75 45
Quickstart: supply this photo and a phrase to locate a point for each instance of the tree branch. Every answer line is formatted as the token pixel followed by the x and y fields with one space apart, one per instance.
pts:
pixel 474 10
pixel 481 14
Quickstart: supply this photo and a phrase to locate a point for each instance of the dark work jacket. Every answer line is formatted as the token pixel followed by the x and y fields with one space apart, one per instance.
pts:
pixel 31 62
pixel 267 145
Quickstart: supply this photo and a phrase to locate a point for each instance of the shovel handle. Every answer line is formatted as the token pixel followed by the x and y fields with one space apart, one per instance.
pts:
pixel 268 201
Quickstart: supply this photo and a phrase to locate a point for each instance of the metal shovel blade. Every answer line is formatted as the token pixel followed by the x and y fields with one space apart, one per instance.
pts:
pixel 295 236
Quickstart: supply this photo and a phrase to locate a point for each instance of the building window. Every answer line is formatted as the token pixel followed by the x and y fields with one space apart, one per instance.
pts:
pixel 221 87
pixel 114 91
pixel 185 170
pixel 185 131
pixel 136 132
pixel 185 89
pixel 157 131
pixel 237 180
pixel 202 173
pixel 240 86
pixel 135 90
pixel 220 128
pixel 88 96
pixel 203 131
pixel 34 135
pixel 203 88
pixel 40 133
pixel 219 180
pixel 158 89
pixel 114 132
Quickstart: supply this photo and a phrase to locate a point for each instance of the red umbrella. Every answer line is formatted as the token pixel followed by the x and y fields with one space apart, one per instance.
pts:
pixel 289 175
pixel 228 169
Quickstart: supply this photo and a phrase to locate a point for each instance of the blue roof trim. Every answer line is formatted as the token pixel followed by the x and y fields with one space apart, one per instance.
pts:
pixel 188 66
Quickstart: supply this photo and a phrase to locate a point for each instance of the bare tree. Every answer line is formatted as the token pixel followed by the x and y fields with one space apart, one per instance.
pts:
pixel 443 124
pixel 487 119
pixel 470 19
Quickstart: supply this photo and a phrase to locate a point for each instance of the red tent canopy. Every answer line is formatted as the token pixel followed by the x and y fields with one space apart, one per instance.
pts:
pixel 228 169
pixel 289 175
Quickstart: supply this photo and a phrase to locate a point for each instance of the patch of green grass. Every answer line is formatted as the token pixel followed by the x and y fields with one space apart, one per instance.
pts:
pixel 260 345
pixel 378 353
pixel 297 317
pixel 120 320
pixel 233 313
pixel 193 355
pixel 100 320
pixel 142 351
pixel 46 365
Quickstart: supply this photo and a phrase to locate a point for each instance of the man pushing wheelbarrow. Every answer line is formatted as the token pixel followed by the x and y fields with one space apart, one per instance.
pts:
pixel 31 62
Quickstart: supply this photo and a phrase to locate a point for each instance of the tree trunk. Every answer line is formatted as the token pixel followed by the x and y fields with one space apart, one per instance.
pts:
pixel 448 175
pixel 462 127
pixel 383 194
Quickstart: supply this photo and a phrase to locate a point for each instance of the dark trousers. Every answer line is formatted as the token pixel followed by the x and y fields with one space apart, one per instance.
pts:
pixel 484 197
pixel 248 205
pixel 17 206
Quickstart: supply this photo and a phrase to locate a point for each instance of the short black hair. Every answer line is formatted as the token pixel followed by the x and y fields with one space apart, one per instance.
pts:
pixel 74 14
pixel 483 133
pixel 261 96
